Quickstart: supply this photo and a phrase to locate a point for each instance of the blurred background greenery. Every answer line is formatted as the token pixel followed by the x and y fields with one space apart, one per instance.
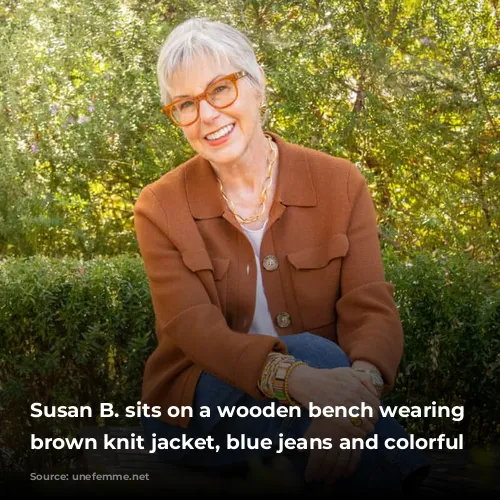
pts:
pixel 409 90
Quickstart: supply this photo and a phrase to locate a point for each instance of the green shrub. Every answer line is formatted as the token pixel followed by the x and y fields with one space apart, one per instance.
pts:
pixel 78 333
pixel 71 333
pixel 449 308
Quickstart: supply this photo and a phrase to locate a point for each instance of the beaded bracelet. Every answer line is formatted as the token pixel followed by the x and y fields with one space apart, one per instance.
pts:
pixel 265 382
pixel 280 385
pixel 274 379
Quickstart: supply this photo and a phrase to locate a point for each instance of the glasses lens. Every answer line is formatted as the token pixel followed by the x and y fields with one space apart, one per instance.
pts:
pixel 222 93
pixel 185 112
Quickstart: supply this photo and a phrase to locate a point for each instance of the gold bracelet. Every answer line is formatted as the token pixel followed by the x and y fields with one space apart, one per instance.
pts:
pixel 291 401
pixel 280 383
pixel 273 382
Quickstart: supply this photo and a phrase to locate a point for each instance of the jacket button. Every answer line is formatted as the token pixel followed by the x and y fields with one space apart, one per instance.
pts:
pixel 270 263
pixel 283 320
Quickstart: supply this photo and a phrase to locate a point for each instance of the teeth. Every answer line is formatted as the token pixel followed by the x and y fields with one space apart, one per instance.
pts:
pixel 220 133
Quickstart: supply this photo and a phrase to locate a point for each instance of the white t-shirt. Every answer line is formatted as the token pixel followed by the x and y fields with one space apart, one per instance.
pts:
pixel 262 322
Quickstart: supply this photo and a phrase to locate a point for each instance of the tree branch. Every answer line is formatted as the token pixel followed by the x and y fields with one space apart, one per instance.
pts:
pixel 480 91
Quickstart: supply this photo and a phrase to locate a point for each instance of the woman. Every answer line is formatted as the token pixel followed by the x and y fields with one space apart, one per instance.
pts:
pixel 266 278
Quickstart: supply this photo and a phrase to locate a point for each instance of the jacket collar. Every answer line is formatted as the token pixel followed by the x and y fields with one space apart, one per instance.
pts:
pixel 295 186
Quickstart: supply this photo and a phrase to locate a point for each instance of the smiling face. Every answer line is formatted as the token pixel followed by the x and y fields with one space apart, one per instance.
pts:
pixel 222 136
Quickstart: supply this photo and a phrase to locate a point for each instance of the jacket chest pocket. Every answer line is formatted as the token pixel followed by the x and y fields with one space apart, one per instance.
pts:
pixel 199 262
pixel 316 280
pixel 220 276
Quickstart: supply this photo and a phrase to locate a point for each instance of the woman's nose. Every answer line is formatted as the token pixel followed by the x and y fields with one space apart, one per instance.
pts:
pixel 207 111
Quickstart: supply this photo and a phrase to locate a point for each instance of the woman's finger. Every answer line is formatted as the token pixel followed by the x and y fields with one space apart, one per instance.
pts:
pixel 366 420
pixel 341 464
pixel 314 464
pixel 353 461
pixel 355 427
pixel 330 475
pixel 367 382
pixel 366 391
pixel 367 397
pixel 328 462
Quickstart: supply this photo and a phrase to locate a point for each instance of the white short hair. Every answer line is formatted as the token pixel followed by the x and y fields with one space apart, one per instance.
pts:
pixel 203 37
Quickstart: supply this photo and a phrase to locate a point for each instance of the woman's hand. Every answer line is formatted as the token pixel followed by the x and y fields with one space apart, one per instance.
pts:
pixel 334 387
pixel 329 465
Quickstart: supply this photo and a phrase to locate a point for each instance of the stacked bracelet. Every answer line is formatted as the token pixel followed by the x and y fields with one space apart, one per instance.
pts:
pixel 376 378
pixel 280 385
pixel 265 382
pixel 274 380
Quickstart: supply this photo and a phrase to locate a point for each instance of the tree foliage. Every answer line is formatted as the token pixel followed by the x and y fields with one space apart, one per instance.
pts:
pixel 409 90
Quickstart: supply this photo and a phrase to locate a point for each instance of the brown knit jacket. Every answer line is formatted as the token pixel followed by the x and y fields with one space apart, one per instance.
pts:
pixel 329 279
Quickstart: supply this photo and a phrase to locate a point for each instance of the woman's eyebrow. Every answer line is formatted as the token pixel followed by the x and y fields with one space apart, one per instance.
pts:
pixel 207 85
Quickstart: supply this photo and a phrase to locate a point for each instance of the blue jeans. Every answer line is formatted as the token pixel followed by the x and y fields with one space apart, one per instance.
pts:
pixel 381 468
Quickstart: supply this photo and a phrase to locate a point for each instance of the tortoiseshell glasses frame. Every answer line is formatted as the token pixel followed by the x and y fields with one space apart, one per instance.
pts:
pixel 186 110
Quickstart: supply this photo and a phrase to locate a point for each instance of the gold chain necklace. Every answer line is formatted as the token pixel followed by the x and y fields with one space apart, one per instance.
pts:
pixel 263 195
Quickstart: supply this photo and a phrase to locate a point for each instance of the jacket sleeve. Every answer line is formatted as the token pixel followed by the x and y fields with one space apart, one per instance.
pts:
pixel 184 312
pixel 368 322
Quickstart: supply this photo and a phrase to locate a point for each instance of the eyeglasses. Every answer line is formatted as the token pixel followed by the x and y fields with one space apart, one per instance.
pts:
pixel 219 94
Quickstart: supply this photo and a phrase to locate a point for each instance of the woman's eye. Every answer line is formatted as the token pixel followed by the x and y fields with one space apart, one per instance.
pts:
pixel 186 105
pixel 219 89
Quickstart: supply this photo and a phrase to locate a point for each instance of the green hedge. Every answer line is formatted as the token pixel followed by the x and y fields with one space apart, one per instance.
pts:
pixel 450 309
pixel 78 333
pixel 71 333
